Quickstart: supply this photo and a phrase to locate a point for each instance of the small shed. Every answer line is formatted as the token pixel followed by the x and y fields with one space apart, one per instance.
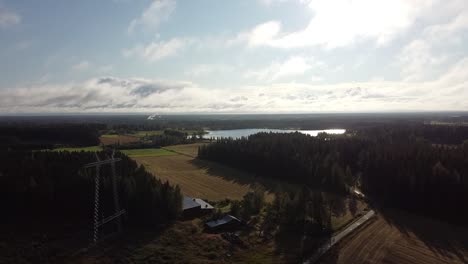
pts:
pixel 193 207
pixel 228 222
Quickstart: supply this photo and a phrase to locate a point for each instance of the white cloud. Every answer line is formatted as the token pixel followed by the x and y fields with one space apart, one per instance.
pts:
pixel 81 66
pixel 293 66
pixel 158 50
pixel 416 60
pixel 152 17
pixel 207 69
pixel 8 18
pixel 446 31
pixel 275 2
pixel 264 33
pixel 425 57
pixel 337 23
pixel 111 94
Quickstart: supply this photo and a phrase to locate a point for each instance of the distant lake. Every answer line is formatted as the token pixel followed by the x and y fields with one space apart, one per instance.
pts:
pixel 238 133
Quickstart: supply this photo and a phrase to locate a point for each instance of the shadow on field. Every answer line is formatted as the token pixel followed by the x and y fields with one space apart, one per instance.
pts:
pixel 121 249
pixel 441 238
pixel 241 177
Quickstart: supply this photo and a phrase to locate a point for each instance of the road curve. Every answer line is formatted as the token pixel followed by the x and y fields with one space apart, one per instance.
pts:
pixel 336 238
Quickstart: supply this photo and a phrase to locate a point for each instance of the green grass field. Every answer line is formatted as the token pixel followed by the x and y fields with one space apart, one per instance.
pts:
pixel 146 133
pixel 90 149
pixel 153 152
pixel 110 136
pixel 134 153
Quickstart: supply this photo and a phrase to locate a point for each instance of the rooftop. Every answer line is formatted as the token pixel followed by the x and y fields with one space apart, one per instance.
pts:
pixel 203 204
pixel 189 202
pixel 226 219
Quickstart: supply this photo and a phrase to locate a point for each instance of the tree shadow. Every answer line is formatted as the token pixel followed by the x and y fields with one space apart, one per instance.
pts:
pixel 289 243
pixel 241 177
pixel 441 238
pixel 117 249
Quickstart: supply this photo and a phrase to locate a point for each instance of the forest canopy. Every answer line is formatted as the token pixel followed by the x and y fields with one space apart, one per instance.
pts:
pixel 398 167
pixel 54 184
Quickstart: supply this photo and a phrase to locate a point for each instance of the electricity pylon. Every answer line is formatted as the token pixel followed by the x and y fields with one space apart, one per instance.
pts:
pixel 118 212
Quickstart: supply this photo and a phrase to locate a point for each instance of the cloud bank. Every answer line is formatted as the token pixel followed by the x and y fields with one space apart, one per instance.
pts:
pixel 111 94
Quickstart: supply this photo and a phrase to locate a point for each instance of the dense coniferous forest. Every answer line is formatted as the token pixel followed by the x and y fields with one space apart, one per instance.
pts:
pixel 47 136
pixel 34 185
pixel 404 167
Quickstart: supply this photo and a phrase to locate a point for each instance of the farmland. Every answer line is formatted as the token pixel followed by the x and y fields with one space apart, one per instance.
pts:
pixel 118 139
pixel 151 152
pixel 198 179
pixel 91 149
pixel 213 181
pixel 188 149
pixel 396 237
pixel 133 153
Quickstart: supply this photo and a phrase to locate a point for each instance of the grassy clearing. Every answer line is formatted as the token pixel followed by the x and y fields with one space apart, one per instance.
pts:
pixel 87 149
pixel 152 152
pixel 194 180
pixel 110 136
pixel 187 149
pixel 141 134
pixel 200 178
pixel 133 153
pixel 118 139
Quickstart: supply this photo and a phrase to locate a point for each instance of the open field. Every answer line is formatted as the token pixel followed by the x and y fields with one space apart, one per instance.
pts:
pixel 133 153
pixel 146 133
pixel 198 179
pixel 213 181
pixel 118 139
pixel 152 152
pixel 205 179
pixel 397 237
pixel 90 149
pixel 110 136
pixel 188 149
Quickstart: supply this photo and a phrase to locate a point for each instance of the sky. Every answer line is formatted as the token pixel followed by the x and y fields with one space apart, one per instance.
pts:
pixel 243 56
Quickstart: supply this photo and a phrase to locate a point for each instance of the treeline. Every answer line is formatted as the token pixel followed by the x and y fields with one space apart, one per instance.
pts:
pixel 48 136
pixel 294 157
pixel 436 134
pixel 390 165
pixel 53 186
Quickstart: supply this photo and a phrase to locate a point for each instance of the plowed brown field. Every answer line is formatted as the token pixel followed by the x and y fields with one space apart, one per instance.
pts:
pixel 399 238
pixel 118 139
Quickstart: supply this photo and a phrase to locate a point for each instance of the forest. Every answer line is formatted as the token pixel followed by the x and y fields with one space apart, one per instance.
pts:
pixel 54 186
pixel 43 136
pixel 405 167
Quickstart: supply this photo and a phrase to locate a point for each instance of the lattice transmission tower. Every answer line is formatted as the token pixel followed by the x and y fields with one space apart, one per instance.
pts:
pixel 118 213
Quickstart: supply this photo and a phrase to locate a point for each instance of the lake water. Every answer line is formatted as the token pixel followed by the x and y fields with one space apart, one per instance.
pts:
pixel 238 133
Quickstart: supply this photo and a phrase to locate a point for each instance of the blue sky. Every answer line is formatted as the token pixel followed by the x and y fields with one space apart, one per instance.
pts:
pixel 257 56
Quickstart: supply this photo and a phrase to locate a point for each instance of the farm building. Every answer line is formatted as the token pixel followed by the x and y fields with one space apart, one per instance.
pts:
pixel 228 222
pixel 193 207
